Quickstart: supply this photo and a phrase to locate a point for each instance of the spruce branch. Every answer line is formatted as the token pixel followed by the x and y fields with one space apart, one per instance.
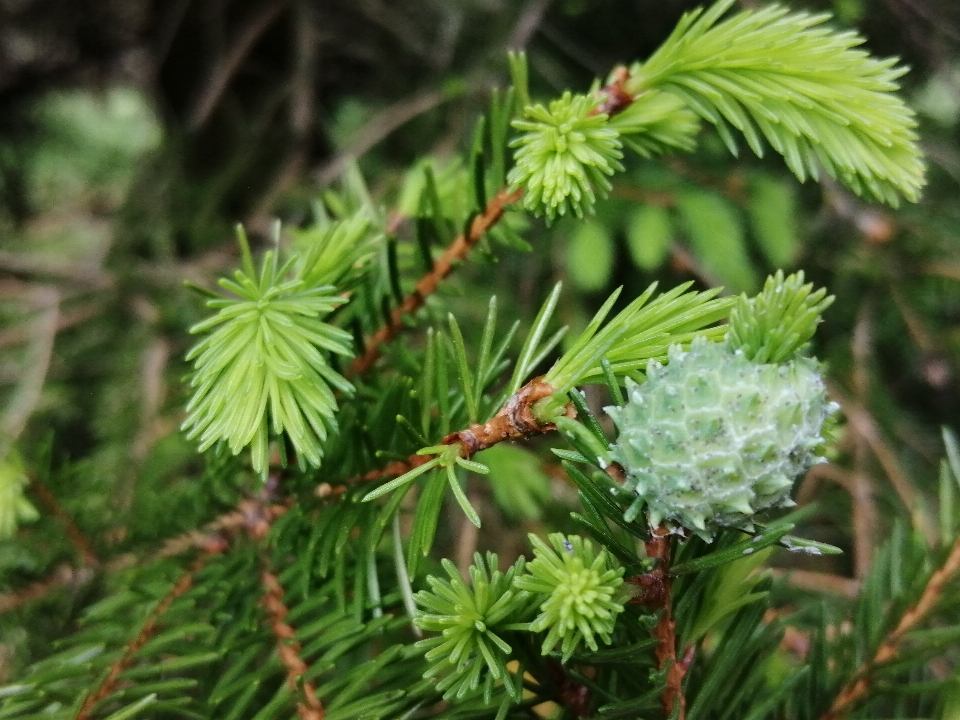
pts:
pixel 858 687
pixel 659 123
pixel 610 100
pixel 427 285
pixel 147 631
pixel 308 705
pixel 253 516
pixel 582 590
pixel 643 330
pixel 815 97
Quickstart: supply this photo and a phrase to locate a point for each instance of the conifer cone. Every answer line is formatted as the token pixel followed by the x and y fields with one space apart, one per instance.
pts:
pixel 713 438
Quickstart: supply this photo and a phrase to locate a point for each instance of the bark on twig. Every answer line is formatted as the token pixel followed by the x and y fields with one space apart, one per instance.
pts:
pixel 514 421
pixel 62 576
pixel 615 98
pixel 654 590
pixel 427 285
pixel 308 705
pixel 857 688
pixel 214 538
pixel 862 495
pixel 658 548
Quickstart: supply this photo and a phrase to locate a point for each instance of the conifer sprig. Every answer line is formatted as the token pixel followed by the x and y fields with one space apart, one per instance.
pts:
pixel 470 652
pixel 263 368
pixel 641 331
pixel 655 123
pixel 427 285
pixel 149 628
pixel 564 157
pixel 809 90
pixel 779 322
pixel 581 588
pixel 330 249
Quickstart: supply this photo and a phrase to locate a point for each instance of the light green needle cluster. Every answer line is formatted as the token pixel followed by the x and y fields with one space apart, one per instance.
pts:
pixel 642 331
pixel 471 619
pixel 327 250
pixel 14 506
pixel 657 122
pixel 817 98
pixel 262 367
pixel 582 588
pixel 777 324
pixel 564 157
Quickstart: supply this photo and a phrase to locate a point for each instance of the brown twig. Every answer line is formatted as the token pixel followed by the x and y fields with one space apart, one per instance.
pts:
pixel 255 517
pixel 658 548
pixel 427 285
pixel 79 541
pixel 654 589
pixel 861 489
pixel 857 688
pixel 868 435
pixel 252 516
pixel 147 630
pixel 308 706
pixel 514 421
pixel 615 98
